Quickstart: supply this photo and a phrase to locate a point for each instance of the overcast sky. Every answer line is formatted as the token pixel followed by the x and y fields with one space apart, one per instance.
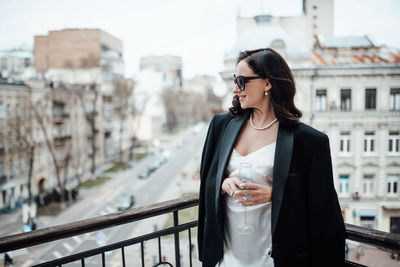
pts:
pixel 198 30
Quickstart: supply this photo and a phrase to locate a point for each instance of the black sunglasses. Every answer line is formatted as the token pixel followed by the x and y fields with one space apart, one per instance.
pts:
pixel 241 81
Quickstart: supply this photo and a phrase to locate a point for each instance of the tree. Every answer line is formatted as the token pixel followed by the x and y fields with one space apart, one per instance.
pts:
pixel 90 116
pixel 171 104
pixel 21 125
pixel 123 90
pixel 45 122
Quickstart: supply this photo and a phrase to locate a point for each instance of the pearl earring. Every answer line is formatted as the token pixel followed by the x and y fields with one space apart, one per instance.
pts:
pixel 266 93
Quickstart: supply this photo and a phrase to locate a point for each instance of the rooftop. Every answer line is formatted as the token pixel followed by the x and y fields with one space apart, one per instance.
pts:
pixel 352 50
pixel 344 42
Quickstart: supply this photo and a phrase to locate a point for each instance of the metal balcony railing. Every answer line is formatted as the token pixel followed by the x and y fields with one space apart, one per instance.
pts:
pixel 382 240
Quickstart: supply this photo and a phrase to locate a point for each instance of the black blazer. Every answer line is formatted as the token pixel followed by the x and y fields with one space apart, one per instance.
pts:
pixel 306 223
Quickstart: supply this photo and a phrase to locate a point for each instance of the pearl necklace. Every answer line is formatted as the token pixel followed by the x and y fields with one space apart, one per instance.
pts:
pixel 261 128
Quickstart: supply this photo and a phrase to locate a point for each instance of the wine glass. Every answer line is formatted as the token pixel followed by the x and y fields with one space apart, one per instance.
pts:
pixel 245 175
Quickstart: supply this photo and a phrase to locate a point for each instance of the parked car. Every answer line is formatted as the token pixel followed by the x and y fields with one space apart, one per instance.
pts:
pixel 126 201
pixel 154 166
pixel 144 174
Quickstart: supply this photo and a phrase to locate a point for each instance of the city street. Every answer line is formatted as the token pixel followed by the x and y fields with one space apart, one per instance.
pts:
pixel 104 200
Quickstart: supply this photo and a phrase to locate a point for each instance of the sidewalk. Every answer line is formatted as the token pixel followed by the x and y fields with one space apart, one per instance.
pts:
pixel 11 223
pixel 373 257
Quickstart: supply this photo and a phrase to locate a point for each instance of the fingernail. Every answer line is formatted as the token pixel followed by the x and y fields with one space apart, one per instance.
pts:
pixel 241 186
pixel 236 192
pixel 237 201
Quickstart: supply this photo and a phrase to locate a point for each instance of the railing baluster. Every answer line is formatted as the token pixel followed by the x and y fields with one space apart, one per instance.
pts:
pixel 142 250
pixel 123 256
pixel 83 262
pixel 103 259
pixel 190 248
pixel 159 249
pixel 176 236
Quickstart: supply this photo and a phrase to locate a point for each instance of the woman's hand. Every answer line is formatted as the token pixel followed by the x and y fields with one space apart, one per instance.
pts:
pixel 259 194
pixel 230 185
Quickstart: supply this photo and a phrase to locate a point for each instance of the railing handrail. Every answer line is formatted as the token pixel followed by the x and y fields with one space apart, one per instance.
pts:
pixel 45 235
pixel 380 239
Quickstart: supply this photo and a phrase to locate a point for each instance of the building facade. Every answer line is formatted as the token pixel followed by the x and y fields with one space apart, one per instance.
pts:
pixel 352 94
pixel 92 57
pixel 347 88
pixel 16 64
pixel 51 122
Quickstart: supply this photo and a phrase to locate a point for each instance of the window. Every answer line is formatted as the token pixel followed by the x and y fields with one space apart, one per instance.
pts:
pixel 368 184
pixel 1 140
pixel 1 110
pixel 21 164
pixel 21 191
pixel 369 141
pixel 320 101
pixel 394 99
pixel 392 182
pixel 8 110
pixel 345 142
pixel 395 225
pixel 40 163
pixel 394 140
pixel 11 167
pixel 370 98
pixel 4 197
pixel 345 99
pixel 2 169
pixel 367 218
pixel 279 46
pixel 344 184
pixel 10 140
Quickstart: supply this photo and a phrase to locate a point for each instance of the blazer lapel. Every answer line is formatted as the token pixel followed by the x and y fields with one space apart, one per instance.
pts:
pixel 283 156
pixel 228 141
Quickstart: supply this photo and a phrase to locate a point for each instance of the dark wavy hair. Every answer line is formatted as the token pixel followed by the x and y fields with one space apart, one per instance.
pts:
pixel 269 64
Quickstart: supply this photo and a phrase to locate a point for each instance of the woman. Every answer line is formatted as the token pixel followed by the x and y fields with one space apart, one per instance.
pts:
pixel 292 205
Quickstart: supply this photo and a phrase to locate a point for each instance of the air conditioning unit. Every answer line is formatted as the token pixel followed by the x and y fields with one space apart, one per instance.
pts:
pixel 355 196
pixel 333 105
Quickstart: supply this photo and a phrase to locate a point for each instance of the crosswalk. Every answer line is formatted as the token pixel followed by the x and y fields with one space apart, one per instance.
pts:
pixel 77 239
pixel 68 246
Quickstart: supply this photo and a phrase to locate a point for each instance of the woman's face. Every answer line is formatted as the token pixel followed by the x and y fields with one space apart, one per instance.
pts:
pixel 254 94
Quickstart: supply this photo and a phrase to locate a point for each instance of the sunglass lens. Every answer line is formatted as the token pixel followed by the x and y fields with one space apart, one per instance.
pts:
pixel 240 83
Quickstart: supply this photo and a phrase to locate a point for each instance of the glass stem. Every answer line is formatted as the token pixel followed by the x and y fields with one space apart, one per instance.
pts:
pixel 245 215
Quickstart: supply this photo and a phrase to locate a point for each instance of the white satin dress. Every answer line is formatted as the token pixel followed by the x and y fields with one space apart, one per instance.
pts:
pixel 244 249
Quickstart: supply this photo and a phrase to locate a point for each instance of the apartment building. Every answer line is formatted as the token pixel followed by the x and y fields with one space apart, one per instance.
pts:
pixel 88 57
pixel 349 88
pixel 352 93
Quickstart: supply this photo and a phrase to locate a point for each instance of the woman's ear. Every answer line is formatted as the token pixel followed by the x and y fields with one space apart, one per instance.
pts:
pixel 268 85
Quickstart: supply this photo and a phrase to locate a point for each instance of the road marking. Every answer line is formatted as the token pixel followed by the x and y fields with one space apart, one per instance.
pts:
pixel 86 236
pixel 110 194
pixel 109 209
pixel 77 239
pixel 102 212
pixel 57 254
pixel 27 263
pixel 67 246
pixel 19 252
